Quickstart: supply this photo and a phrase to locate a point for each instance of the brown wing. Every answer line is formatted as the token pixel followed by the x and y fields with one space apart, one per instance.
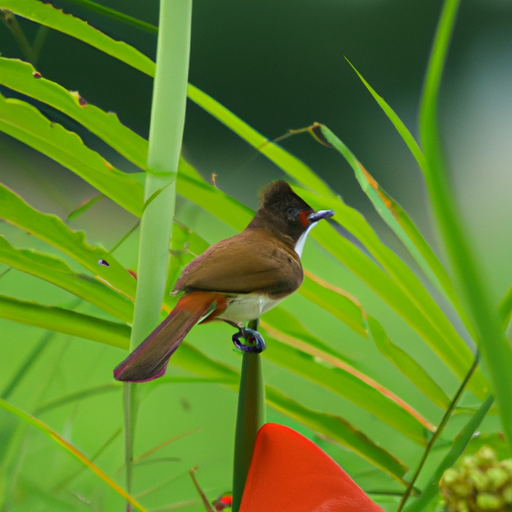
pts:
pixel 248 262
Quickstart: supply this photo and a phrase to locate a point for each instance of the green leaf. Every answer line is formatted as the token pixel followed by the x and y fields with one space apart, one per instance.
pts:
pixel 397 123
pixel 505 308
pixel 47 15
pixel 25 123
pixel 77 212
pixel 18 76
pixel 70 449
pixel 333 427
pixel 57 272
pixel 398 287
pixel 64 320
pixel 52 230
pixel 338 430
pixel 351 385
pixel 348 310
pixel 396 218
pixel 116 15
pixel 461 440
pixel 495 348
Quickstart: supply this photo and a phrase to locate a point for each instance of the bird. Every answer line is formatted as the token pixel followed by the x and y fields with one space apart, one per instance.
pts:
pixel 235 280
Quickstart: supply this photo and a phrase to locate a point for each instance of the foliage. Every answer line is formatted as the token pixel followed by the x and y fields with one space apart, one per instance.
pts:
pixel 359 388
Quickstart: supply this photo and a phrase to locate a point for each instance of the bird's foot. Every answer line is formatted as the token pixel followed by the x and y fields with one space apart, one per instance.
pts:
pixel 255 342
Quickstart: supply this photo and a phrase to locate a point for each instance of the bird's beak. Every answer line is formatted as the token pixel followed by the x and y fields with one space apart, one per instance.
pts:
pixel 322 214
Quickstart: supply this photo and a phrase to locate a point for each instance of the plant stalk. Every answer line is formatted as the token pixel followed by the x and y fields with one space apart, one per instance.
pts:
pixel 165 139
pixel 250 417
pixel 495 349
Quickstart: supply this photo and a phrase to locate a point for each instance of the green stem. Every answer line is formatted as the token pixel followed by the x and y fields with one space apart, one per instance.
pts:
pixel 116 15
pixel 461 440
pixel 495 349
pixel 165 139
pixel 447 415
pixel 12 24
pixel 250 417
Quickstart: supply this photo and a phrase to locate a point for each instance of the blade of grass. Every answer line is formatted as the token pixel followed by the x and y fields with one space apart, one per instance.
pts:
pixel 162 445
pixel 47 15
pixel 25 123
pixel 457 358
pixel 70 449
pixel 26 365
pixel 505 308
pixel 348 383
pixel 68 479
pixel 333 427
pixel 397 123
pixel 347 309
pixel 395 217
pixel 19 76
pixel 54 231
pixel 64 320
pixel 437 434
pixel 496 350
pixel 57 272
pixel 107 12
pixel 79 395
pixel 77 212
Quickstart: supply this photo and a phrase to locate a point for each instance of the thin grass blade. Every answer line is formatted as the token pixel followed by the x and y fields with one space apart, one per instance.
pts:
pixel 78 212
pixel 25 123
pixel 19 76
pixel 397 123
pixel 70 449
pixel 63 320
pixel 396 218
pixel 461 440
pixel 348 383
pixel 505 308
pixel 57 272
pixel 47 15
pixel 78 396
pixel 347 309
pixel 335 428
pixel 495 348
pixel 107 12
pixel 338 430
pixel 458 358
pixel 53 230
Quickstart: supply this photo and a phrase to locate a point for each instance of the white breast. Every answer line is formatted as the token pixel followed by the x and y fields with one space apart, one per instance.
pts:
pixel 247 307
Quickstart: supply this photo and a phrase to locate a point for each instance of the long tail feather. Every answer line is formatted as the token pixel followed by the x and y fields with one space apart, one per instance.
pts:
pixel 149 360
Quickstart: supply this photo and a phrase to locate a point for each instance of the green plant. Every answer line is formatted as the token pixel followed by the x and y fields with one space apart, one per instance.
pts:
pixel 318 385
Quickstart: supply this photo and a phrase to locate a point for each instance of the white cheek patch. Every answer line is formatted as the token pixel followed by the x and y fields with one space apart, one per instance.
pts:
pixel 299 246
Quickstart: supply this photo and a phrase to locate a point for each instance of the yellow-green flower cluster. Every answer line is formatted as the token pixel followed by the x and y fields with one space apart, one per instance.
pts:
pixel 478 483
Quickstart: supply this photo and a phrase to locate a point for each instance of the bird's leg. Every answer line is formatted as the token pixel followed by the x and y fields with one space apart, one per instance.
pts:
pixel 255 342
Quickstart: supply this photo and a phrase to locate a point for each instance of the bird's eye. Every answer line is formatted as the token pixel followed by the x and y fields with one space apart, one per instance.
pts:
pixel 292 214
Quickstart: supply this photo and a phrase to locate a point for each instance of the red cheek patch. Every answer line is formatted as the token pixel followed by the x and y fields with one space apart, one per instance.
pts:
pixel 303 217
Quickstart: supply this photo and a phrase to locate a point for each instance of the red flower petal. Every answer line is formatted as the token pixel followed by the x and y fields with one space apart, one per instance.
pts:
pixel 290 473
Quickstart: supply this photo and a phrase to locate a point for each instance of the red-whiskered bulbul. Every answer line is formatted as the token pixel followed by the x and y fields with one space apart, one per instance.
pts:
pixel 235 280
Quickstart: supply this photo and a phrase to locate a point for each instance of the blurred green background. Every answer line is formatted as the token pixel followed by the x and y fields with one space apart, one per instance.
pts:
pixel 277 65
